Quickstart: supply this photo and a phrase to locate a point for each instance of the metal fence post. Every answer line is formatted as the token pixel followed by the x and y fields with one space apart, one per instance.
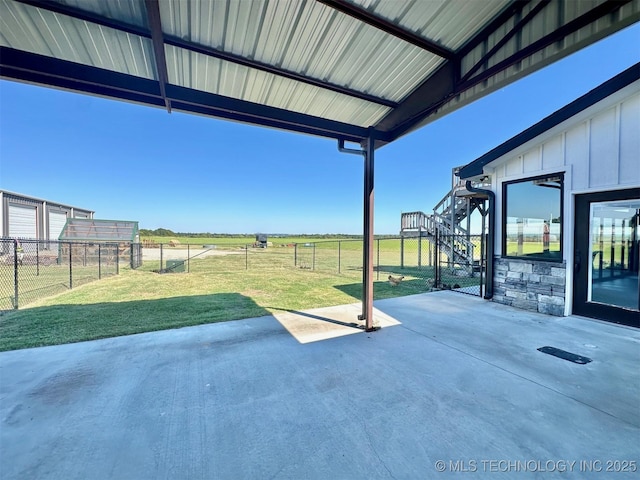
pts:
pixel 419 249
pixel 117 259
pixel 99 263
pixel 401 252
pixel 295 254
pixel 15 273
pixel 188 256
pixel 436 262
pixel 313 262
pixel 481 261
pixel 378 262
pixel 70 265
pixel 339 254
pixel 246 257
pixel 131 255
pixel 84 261
pixel 37 259
pixel 161 257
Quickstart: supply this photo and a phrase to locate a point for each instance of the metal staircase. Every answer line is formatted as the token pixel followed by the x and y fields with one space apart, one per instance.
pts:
pixel 447 222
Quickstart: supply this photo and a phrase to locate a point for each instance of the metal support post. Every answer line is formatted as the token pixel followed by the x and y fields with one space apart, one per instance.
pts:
pixel 99 263
pixel 401 252
pixel 419 248
pixel 117 245
pixel 367 251
pixel 378 260
pixel 313 262
pixel 367 287
pixel 339 252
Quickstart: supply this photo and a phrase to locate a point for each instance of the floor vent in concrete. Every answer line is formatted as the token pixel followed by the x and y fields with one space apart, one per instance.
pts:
pixel 572 357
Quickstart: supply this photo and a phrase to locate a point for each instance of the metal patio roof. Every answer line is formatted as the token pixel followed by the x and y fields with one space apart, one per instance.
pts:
pixel 365 71
pixel 344 69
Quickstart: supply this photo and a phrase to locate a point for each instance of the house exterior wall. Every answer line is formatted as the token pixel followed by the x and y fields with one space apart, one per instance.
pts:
pixel 43 208
pixel 596 150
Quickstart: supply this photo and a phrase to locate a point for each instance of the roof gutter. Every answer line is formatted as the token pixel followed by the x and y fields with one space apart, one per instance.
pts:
pixel 488 292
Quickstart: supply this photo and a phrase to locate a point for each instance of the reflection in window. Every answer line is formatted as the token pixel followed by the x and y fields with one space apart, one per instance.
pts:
pixel 533 218
pixel 614 243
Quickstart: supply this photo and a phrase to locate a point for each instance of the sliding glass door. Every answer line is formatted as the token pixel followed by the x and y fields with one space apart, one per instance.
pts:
pixel 607 244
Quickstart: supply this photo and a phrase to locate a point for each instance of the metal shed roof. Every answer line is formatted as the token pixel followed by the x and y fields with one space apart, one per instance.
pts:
pixel 345 69
pixel 82 229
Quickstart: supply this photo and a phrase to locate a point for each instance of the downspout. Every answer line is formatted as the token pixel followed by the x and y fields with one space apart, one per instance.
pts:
pixel 488 293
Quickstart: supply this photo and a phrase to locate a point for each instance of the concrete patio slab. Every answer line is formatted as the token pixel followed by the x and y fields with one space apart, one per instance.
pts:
pixel 457 390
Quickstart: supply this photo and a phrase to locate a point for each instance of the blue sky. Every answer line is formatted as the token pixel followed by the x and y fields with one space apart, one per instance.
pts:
pixel 195 174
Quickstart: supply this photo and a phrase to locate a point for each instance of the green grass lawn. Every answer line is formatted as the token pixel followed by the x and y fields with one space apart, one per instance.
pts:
pixel 254 283
pixel 141 301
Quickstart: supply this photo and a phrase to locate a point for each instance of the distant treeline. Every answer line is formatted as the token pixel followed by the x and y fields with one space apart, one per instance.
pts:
pixel 165 232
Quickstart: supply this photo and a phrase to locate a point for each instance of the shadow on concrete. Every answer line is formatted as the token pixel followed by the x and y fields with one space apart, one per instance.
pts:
pixel 318 317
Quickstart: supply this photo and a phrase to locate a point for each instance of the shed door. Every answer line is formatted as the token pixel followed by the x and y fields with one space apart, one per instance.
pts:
pixel 22 221
pixel 56 224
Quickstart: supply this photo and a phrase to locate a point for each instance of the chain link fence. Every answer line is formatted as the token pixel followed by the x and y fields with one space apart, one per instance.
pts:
pixel 424 262
pixel 35 269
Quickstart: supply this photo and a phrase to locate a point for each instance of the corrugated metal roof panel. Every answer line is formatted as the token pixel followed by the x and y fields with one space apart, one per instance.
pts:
pixel 201 72
pixel 129 11
pixel 541 25
pixel 46 33
pixel 449 23
pixel 304 37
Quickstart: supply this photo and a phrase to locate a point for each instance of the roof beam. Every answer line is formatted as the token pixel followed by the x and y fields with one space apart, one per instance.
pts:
pixel 79 14
pixel 230 57
pixel 444 84
pixel 388 27
pixel 567 29
pixel 155 24
pixel 39 69
pixel 517 28
pixel 511 10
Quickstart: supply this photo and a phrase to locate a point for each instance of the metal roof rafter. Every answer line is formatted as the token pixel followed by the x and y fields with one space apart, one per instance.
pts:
pixel 90 17
pixel 155 24
pixel 230 57
pixel 40 69
pixel 573 26
pixel 388 27
pixel 517 28
pixel 406 116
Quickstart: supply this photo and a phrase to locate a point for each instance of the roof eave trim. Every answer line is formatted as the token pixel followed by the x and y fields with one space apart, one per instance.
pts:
pixel 623 79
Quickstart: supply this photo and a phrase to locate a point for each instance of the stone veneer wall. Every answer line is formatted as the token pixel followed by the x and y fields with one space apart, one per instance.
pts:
pixel 531 285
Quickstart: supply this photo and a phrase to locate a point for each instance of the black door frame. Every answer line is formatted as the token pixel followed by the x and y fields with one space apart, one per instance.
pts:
pixel 582 263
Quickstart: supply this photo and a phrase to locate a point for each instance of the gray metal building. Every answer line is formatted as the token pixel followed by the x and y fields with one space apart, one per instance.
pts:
pixel 22 216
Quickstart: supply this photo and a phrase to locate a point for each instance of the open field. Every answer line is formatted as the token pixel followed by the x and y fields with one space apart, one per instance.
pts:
pixel 236 240
pixel 249 282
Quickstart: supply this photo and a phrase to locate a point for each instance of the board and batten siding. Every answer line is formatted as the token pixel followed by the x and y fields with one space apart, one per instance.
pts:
pixel 596 150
